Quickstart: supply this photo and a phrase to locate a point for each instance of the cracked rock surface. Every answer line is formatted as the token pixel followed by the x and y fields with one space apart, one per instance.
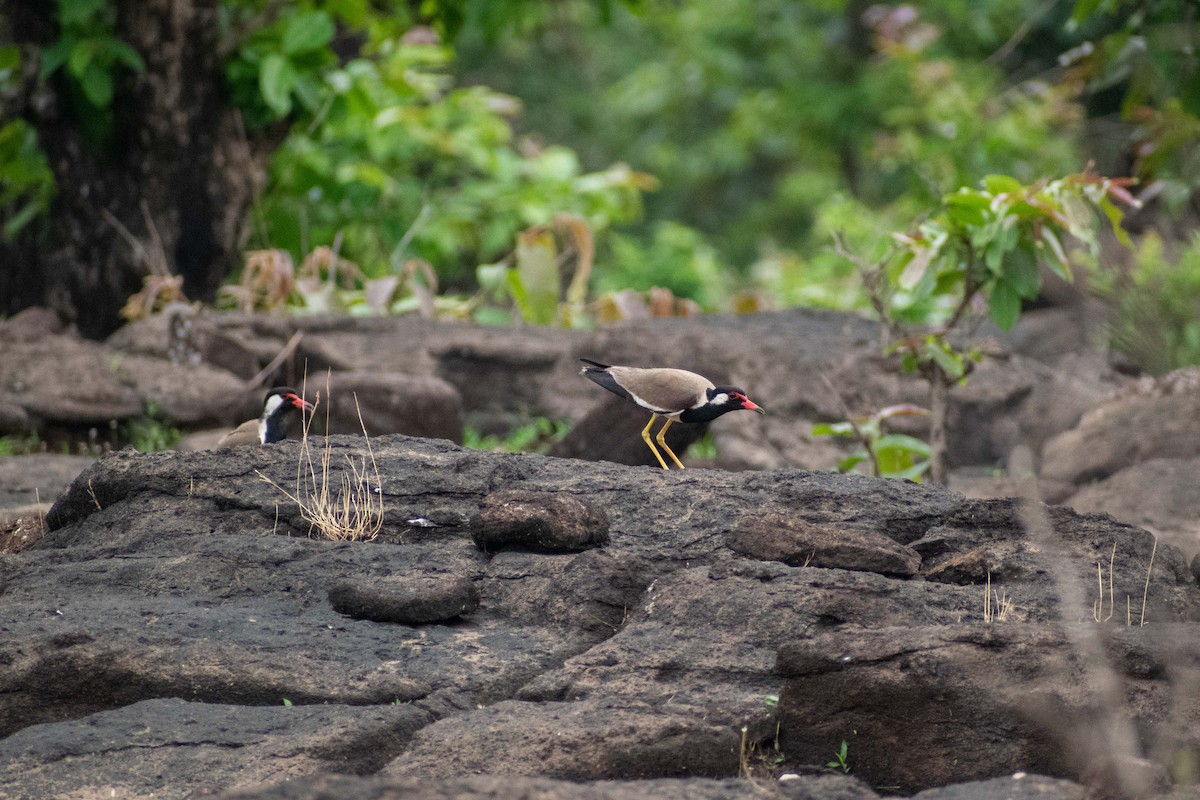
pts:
pixel 150 640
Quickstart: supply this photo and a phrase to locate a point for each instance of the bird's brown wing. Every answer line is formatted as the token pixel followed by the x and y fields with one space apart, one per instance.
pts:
pixel 662 389
pixel 246 433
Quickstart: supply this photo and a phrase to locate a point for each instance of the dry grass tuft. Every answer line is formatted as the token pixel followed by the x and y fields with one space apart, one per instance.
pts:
pixel 996 604
pixel 346 506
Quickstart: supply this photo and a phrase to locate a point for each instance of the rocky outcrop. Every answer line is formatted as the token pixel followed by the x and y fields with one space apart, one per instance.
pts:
pixel 945 640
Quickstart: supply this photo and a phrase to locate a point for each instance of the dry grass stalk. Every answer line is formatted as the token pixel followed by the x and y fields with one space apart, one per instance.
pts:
pixel 996 605
pixel 1113 734
pixel 347 506
pixel 1098 606
pixel 1146 588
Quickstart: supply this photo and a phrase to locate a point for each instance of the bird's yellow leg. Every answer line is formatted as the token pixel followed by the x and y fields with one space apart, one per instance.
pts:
pixel 650 444
pixel 663 443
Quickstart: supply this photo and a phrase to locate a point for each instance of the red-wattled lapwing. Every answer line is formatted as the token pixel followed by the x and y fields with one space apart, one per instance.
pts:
pixel 675 394
pixel 270 427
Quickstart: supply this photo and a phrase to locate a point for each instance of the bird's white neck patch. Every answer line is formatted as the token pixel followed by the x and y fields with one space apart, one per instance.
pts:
pixel 718 399
pixel 272 405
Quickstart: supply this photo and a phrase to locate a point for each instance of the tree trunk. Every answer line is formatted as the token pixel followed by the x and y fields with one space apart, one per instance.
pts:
pixel 170 189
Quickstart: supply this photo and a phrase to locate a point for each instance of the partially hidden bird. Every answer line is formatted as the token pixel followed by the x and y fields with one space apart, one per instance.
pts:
pixel 674 394
pixel 271 426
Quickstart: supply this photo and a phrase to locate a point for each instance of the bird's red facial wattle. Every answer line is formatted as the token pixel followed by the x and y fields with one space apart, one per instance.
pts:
pixel 299 402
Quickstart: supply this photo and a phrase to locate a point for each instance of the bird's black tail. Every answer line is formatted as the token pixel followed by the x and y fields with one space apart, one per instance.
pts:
pixel 595 364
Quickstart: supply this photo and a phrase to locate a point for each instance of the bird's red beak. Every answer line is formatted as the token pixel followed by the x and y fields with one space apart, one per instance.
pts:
pixel 300 403
pixel 749 405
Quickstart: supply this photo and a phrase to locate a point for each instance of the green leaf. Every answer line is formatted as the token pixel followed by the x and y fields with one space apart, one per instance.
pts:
pixel 78 13
pixel 537 266
pixel 307 32
pixel 1021 272
pixel 1115 216
pixel 832 429
pixel 80 57
pixel 54 56
pixel 14 224
pixel 275 81
pixel 851 461
pixel 1057 262
pixel 947 361
pixel 97 85
pixel 123 53
pixel 904 443
pixel 967 208
pixel 1004 305
pixel 1003 184
pixel 912 473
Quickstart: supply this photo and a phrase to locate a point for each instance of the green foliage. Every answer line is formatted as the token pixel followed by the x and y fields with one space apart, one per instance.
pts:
pixel 282 65
pixel 93 56
pixel 840 758
pixel 756 115
pixel 400 164
pixel 1155 303
pixel 535 436
pixel 21 444
pixel 703 449
pixel 151 432
pixel 886 455
pixel 991 242
pixel 26 183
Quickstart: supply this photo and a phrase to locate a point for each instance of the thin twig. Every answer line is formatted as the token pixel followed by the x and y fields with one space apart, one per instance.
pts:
pixel 849 416
pixel 282 356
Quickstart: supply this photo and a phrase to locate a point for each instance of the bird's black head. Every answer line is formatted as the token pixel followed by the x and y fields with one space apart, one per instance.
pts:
pixel 278 403
pixel 731 398
pixel 282 399
pixel 721 399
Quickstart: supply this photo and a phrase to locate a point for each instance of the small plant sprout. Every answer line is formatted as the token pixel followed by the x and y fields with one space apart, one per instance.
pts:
pixel 841 758
pixel 984 247
pixel 886 455
pixel 287 703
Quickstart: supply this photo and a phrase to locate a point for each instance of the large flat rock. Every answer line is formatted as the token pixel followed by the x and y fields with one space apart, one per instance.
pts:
pixel 189 583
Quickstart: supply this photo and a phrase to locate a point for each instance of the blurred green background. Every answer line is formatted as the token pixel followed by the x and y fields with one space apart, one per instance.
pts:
pixel 711 148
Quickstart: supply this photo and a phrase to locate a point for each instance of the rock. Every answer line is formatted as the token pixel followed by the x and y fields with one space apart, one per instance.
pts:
pixel 1159 418
pixel 501 787
pixel 37 478
pixel 161 748
pixel 13 418
pixel 189 576
pixel 777 537
pixel 508 374
pixel 71 381
pixel 414 405
pixel 28 485
pixel 572 741
pixel 546 521
pixel 612 432
pixel 30 325
pixel 404 599
pixel 1018 786
pixel 1158 495
pixel 498 373
pixel 1001 698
